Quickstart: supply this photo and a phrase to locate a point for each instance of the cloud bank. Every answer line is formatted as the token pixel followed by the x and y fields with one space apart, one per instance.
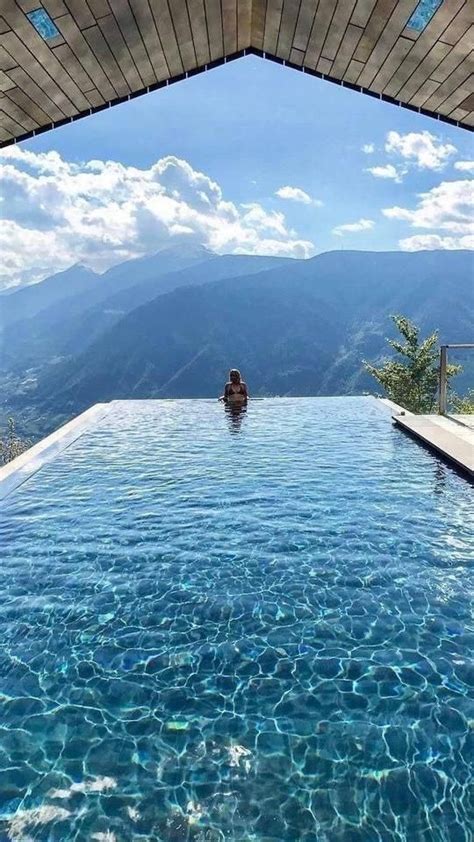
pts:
pixel 414 151
pixel 56 213
pixel 423 149
pixel 295 194
pixel 449 207
pixel 387 171
pixel 464 166
pixel 353 227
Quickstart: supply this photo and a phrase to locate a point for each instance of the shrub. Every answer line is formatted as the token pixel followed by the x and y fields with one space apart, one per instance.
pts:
pixel 12 445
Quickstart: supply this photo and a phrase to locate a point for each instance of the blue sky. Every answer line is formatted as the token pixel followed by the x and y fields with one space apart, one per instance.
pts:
pixel 250 128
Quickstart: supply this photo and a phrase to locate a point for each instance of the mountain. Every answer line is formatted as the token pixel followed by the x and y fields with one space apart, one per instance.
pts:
pixel 32 313
pixel 303 328
pixel 68 325
pixel 28 301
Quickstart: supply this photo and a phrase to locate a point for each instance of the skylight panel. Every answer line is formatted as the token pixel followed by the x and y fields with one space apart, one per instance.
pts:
pixel 43 23
pixel 423 14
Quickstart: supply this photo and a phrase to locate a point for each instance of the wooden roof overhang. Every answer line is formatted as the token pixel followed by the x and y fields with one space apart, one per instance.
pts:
pixel 64 59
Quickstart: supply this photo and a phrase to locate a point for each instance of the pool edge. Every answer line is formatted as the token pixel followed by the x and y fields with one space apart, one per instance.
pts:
pixel 443 443
pixel 16 472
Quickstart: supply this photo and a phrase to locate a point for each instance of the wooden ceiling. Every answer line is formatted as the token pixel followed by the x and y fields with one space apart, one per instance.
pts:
pixel 102 52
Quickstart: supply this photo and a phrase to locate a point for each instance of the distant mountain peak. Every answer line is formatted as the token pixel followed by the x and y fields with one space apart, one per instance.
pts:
pixel 181 245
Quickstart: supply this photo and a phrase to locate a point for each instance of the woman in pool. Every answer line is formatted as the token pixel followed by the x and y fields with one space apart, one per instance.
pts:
pixel 235 390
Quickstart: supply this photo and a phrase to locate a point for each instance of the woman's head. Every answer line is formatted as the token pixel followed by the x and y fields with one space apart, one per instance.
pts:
pixel 234 375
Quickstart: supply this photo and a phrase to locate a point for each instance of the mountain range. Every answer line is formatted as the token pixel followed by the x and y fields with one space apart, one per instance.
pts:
pixel 171 324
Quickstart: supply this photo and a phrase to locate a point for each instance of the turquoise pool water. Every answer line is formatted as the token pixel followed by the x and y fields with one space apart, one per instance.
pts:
pixel 250 628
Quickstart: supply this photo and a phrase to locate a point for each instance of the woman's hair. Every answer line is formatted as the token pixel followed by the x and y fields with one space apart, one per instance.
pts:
pixel 234 372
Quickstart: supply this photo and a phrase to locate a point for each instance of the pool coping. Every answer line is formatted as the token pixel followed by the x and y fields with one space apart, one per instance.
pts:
pixel 394 408
pixel 446 443
pixel 427 431
pixel 16 472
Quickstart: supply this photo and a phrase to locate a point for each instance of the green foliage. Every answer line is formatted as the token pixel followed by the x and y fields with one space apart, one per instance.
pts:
pixel 411 379
pixel 12 445
pixel 463 405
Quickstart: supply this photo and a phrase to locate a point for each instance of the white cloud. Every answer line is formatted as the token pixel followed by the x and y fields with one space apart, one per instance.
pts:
pixel 353 227
pixel 295 194
pixel 421 242
pixel 368 148
pixel 424 149
pixel 387 171
pixel 56 213
pixel 447 207
pixel 464 166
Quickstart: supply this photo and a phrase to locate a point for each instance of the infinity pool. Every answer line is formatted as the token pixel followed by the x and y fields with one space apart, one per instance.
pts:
pixel 250 627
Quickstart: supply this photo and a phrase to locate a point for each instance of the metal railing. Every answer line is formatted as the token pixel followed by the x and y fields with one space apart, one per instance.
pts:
pixel 443 379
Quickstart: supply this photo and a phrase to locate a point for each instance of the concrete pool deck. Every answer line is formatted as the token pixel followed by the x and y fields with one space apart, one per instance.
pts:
pixel 450 436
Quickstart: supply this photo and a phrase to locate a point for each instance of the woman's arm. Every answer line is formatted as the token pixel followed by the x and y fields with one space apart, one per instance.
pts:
pixel 224 397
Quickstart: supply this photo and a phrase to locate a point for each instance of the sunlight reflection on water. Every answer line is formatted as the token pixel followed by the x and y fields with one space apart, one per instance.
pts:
pixel 251 625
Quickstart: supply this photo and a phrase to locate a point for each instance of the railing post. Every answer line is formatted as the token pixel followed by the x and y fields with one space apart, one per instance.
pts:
pixel 443 380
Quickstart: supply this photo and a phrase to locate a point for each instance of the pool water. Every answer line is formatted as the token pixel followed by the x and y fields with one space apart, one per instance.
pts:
pixel 252 627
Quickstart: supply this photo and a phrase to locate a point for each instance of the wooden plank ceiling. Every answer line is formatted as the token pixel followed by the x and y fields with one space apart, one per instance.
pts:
pixel 100 52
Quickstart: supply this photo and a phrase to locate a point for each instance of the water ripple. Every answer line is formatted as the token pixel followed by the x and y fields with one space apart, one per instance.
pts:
pixel 254 628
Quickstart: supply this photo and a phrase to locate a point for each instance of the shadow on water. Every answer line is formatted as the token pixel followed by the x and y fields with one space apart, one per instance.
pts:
pixel 235 415
pixel 440 478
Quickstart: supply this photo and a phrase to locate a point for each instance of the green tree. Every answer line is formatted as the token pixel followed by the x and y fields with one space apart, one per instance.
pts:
pixel 411 378
pixel 12 445
pixel 463 404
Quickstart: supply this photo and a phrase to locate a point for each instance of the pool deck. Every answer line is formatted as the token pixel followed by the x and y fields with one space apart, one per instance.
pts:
pixel 450 436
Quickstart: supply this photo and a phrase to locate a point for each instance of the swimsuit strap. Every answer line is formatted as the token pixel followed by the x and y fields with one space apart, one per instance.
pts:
pixel 229 390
